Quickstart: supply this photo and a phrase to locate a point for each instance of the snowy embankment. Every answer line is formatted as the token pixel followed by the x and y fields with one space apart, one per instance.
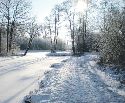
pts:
pixel 59 54
pixel 77 80
pixel 111 76
pixel 20 74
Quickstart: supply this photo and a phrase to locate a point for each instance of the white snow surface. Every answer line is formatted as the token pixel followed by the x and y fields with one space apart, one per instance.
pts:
pixel 60 54
pixel 19 75
pixel 77 80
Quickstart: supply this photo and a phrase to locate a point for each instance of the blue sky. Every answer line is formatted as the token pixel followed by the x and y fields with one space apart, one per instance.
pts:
pixel 42 8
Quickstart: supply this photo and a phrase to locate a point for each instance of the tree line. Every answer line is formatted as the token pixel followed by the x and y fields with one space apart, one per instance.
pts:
pixel 16 24
pixel 99 27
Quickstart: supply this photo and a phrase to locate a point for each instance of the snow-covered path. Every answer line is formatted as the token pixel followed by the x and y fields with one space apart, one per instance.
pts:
pixel 76 82
pixel 19 75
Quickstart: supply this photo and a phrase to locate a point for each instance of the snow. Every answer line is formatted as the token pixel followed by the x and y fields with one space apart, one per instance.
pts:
pixel 59 54
pixel 40 77
pixel 19 75
pixel 77 80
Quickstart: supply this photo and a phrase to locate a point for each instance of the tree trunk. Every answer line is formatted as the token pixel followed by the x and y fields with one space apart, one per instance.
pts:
pixel 55 33
pixel 73 37
pixel 26 52
pixel 29 45
pixel 73 47
pixel 8 24
pixel 73 43
pixel 51 41
pixel 123 22
pixel 0 39
pixel 11 36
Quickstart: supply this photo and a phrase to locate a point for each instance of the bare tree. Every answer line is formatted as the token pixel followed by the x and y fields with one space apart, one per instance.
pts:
pixel 52 25
pixel 14 12
pixel 48 22
pixel 33 30
pixel 56 25
pixel 66 6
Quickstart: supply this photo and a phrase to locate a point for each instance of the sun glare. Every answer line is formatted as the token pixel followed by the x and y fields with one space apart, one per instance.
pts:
pixel 81 6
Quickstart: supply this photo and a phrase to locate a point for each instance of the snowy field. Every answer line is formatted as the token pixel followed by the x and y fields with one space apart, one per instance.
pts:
pixel 20 75
pixel 78 80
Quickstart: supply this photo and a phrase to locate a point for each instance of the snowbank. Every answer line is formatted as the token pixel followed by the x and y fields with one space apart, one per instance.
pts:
pixel 59 54
pixel 112 76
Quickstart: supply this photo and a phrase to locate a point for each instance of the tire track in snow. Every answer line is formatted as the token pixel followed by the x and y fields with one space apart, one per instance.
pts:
pixel 11 60
pixel 20 62
pixel 19 66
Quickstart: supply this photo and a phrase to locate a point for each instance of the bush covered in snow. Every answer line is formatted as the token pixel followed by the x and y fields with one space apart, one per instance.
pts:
pixel 112 42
